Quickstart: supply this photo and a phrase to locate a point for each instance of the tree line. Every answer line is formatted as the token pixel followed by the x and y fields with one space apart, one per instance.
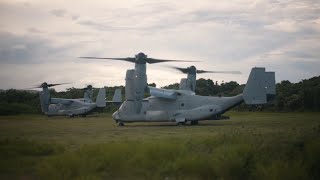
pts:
pixel 301 96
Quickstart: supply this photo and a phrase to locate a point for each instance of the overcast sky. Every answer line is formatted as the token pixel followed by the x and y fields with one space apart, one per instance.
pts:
pixel 41 40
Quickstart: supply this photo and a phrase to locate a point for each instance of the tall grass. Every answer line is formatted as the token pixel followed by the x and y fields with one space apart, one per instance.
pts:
pixel 19 156
pixel 208 158
pixel 248 146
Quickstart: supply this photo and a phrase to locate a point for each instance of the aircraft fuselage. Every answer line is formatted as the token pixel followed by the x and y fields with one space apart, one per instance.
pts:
pixel 62 107
pixel 184 108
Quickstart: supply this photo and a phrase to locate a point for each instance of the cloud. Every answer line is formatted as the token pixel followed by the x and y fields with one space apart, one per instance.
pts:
pixel 225 35
pixel 100 26
pixel 78 74
pixel 75 17
pixel 58 12
pixel 35 30
pixel 25 49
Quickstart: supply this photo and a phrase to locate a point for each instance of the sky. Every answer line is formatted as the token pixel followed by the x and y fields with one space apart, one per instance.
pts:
pixel 41 40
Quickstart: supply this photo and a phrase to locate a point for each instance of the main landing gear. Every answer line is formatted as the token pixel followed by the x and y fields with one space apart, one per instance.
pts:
pixel 120 124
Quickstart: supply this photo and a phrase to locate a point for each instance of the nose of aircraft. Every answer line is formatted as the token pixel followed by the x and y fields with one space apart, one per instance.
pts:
pixel 115 115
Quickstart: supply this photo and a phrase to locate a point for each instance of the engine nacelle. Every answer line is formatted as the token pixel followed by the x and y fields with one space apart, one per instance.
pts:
pixel 44 100
pixel 130 85
pixel 183 84
pixel 191 82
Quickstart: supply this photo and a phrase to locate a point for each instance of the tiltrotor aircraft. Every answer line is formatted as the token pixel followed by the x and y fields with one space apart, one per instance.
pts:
pixel 138 75
pixel 70 107
pixel 189 83
pixel 181 106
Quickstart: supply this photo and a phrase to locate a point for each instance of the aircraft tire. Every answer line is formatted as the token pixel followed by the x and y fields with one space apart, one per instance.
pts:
pixel 121 124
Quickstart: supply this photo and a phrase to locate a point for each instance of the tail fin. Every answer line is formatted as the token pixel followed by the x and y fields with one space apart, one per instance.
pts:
pixel 101 98
pixel 260 84
pixel 117 97
pixel 44 99
pixel 271 87
pixel 88 95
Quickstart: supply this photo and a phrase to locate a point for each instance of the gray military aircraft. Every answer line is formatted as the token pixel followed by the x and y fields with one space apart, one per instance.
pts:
pixel 182 106
pixel 70 107
pixel 189 83
pixel 138 76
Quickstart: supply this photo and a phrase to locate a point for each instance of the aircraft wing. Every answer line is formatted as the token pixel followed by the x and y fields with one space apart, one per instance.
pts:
pixel 61 101
pixel 163 93
pixel 185 92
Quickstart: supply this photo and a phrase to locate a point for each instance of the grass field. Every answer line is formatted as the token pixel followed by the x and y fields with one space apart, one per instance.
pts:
pixel 247 146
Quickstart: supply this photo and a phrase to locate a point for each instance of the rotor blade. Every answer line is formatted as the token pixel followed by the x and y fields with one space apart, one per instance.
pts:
pixel 34 87
pixel 93 88
pixel 87 87
pixel 183 70
pixel 152 60
pixel 50 85
pixel 31 88
pixel 41 86
pixel 129 59
pixel 223 72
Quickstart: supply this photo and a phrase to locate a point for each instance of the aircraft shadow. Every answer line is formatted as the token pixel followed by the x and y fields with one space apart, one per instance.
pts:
pixel 175 125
